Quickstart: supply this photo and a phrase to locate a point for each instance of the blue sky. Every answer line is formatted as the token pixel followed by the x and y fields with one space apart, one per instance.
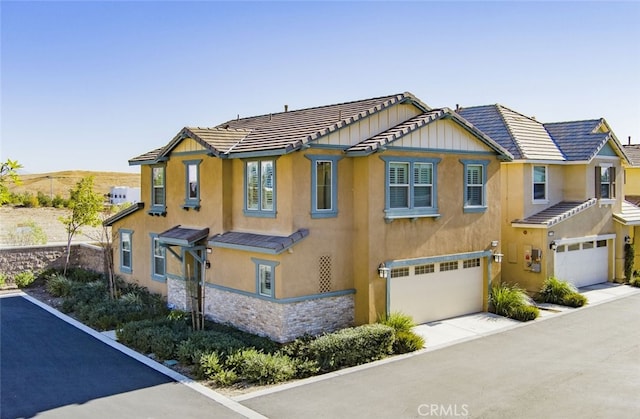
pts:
pixel 89 85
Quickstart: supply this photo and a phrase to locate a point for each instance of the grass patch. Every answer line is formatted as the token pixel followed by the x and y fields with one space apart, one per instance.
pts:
pixel 556 291
pixel 512 302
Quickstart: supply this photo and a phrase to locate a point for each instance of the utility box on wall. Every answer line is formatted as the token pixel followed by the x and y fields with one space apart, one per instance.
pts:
pixel 532 259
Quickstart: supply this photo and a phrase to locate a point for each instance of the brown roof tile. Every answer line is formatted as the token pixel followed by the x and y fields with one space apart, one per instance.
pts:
pixel 557 213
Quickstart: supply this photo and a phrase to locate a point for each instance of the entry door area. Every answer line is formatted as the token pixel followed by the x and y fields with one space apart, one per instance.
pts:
pixel 437 291
pixel 582 264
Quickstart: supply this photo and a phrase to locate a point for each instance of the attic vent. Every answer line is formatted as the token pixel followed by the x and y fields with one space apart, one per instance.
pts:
pixel 340 115
pixel 286 108
pixel 324 274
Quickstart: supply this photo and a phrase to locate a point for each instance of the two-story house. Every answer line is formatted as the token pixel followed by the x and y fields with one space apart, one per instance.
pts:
pixel 560 194
pixel 311 220
pixel 629 217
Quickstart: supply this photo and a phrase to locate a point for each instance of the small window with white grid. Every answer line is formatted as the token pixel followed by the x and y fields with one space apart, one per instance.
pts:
pixel 471 263
pixel 449 266
pixel 399 272
pixel 424 269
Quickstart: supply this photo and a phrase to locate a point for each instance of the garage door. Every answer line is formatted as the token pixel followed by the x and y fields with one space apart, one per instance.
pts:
pixel 437 291
pixel 582 264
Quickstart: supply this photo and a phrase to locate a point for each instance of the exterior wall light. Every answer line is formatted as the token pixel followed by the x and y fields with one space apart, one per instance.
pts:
pixel 497 257
pixel 383 271
pixel 627 240
pixel 553 246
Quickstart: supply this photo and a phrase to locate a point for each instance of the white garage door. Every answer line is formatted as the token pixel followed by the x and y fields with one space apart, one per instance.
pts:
pixel 582 264
pixel 437 291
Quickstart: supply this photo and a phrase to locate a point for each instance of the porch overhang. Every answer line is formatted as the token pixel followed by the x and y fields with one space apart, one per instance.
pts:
pixel 260 243
pixel 182 236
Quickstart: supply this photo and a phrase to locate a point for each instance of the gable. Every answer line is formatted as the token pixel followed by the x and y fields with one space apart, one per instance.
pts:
pixel 442 134
pixel 188 145
pixel 608 151
pixel 369 126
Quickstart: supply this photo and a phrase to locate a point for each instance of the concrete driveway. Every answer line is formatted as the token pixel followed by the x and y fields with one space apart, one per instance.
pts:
pixel 53 369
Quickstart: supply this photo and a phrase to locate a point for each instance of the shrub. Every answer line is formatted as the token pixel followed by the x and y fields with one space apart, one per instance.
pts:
pixel 59 202
pixel 59 285
pixel 629 257
pixel 3 279
pixel 83 275
pixel 24 279
pixel 261 343
pixel 200 342
pixel 406 342
pixel 28 234
pixel 352 346
pixel 399 321
pixel 512 302
pixel 44 200
pixel 258 367
pixel 556 291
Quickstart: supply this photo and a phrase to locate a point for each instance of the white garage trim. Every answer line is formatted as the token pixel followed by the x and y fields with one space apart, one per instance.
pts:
pixel 399 267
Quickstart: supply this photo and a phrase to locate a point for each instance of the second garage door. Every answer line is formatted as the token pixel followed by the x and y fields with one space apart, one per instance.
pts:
pixel 437 291
pixel 582 264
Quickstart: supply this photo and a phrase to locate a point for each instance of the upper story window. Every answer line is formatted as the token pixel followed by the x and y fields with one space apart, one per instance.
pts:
pixel 192 184
pixel 475 181
pixel 410 187
pixel 158 191
pixel 605 182
pixel 126 259
pixel 158 259
pixel 540 183
pixel 324 186
pixel 260 188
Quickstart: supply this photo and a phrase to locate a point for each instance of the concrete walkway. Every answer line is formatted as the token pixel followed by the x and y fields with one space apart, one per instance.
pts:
pixel 447 332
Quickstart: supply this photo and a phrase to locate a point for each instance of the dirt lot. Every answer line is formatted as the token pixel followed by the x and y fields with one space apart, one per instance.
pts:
pixel 12 219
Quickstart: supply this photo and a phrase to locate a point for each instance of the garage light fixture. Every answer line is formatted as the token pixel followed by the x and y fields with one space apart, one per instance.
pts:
pixel 497 257
pixel 383 271
pixel 553 246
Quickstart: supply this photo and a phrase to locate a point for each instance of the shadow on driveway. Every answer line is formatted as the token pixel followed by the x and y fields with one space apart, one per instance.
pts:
pixel 47 364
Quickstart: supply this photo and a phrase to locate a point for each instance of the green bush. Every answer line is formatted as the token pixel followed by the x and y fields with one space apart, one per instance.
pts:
pixel 24 279
pixel 258 367
pixel 43 199
pixel 59 202
pixel 59 285
pixel 3 279
pixel 28 234
pixel 201 342
pixel 512 302
pixel 352 346
pixel 261 343
pixel 84 275
pixel 556 291
pixel 406 342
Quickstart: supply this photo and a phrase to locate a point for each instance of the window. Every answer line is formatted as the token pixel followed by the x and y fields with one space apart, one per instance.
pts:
pixel 540 183
pixel 399 272
pixel 126 262
pixel 324 187
pixel 471 263
pixel 192 184
pixel 475 180
pixel 158 259
pixel 260 188
pixel 605 182
pixel 410 187
pixel 158 189
pixel 448 266
pixel 265 277
pixel 424 269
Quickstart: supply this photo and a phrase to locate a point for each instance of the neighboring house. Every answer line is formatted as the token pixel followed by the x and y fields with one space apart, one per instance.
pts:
pixel 629 217
pixel 311 220
pixel 123 194
pixel 560 194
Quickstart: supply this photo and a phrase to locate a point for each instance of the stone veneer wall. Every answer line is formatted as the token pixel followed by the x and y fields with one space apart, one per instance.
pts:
pixel 282 322
pixel 14 260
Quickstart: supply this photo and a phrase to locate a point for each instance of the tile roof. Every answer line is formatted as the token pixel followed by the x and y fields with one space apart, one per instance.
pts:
pixel 183 236
pixel 578 139
pixel 257 242
pixel 125 212
pixel 523 136
pixel 630 214
pixel 555 214
pixel 633 152
pixel 634 199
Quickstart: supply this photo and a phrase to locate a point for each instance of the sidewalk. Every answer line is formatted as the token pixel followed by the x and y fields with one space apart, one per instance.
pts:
pixel 447 332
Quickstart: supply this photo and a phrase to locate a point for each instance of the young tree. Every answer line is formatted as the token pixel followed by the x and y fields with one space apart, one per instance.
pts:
pixel 8 173
pixel 86 207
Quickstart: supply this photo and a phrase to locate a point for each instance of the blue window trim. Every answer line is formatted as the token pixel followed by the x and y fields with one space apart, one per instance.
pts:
pixel 272 264
pixel 475 208
pixel 191 202
pixel 154 275
pixel 323 213
pixel 159 209
pixel 260 212
pixel 126 269
pixel 411 212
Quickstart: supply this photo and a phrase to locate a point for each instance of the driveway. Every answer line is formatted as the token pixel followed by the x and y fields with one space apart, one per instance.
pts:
pixel 53 369
pixel 580 364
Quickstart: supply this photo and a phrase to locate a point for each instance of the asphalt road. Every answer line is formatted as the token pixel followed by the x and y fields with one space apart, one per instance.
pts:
pixel 52 369
pixel 584 364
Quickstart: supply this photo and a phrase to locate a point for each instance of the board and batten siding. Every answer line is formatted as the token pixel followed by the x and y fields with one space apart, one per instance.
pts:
pixel 370 126
pixel 441 135
pixel 188 145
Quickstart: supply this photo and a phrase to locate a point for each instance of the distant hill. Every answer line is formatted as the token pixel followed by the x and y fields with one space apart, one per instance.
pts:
pixel 60 183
